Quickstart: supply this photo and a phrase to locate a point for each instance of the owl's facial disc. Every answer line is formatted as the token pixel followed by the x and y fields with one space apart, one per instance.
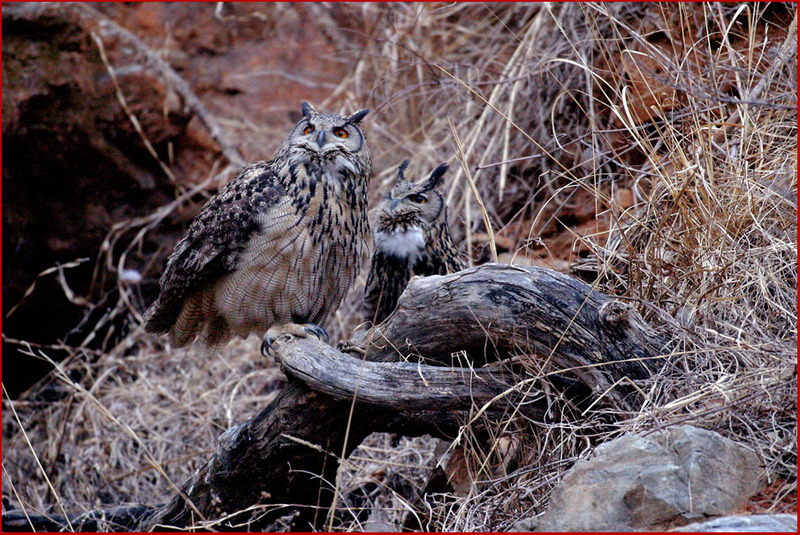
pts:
pixel 319 137
pixel 403 215
pixel 408 212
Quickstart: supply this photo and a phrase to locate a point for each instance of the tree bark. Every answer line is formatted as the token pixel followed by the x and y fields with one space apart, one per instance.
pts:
pixel 494 311
pixel 422 371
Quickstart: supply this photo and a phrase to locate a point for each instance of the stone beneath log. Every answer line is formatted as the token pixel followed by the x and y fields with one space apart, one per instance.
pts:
pixel 646 481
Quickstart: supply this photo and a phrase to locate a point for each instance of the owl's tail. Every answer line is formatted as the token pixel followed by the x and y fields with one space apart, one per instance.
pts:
pixel 205 347
pixel 180 318
pixel 161 316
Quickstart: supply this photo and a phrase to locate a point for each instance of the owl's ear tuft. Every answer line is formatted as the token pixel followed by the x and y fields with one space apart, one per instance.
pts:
pixel 401 171
pixel 308 109
pixel 357 116
pixel 437 175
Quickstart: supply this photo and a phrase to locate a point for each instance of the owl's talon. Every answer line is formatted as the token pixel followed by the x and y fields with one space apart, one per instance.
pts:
pixel 266 346
pixel 287 331
pixel 317 331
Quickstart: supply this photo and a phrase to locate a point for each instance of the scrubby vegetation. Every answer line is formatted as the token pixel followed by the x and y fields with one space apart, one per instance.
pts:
pixel 649 149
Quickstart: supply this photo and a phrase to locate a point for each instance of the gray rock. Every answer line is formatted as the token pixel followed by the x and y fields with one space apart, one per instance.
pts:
pixel 754 523
pixel 525 525
pixel 637 482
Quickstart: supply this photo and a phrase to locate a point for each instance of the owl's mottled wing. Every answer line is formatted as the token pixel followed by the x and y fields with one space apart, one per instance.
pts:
pixel 440 256
pixel 215 239
pixel 441 261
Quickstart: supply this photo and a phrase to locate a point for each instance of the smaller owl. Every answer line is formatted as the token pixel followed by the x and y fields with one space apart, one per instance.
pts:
pixel 411 238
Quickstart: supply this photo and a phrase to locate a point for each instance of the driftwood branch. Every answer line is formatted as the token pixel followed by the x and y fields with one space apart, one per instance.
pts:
pixel 495 311
pixel 402 386
pixel 420 372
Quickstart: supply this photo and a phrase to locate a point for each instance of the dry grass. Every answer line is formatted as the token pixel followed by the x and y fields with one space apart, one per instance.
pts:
pixel 660 139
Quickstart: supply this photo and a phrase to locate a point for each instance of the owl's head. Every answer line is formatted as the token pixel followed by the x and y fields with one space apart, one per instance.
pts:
pixel 420 201
pixel 331 140
pixel 409 213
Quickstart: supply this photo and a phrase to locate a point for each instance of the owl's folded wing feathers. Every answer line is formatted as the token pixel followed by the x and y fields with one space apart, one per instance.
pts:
pixel 215 239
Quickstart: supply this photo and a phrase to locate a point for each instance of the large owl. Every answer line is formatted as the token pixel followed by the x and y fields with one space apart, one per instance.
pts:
pixel 275 250
pixel 411 238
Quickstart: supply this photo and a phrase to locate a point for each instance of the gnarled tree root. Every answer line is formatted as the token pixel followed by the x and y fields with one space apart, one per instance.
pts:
pixel 444 353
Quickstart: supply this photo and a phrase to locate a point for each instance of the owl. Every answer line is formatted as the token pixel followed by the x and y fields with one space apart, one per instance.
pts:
pixel 411 238
pixel 276 249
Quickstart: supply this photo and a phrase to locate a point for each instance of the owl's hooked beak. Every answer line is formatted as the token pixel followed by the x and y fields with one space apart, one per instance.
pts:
pixel 321 138
pixel 393 204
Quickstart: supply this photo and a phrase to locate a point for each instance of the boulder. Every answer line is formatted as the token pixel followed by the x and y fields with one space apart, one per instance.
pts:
pixel 641 481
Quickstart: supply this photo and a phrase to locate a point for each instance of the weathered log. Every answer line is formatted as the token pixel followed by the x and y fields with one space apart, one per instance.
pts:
pixel 486 313
pixel 289 453
pixel 120 518
pixel 493 311
pixel 285 459
pixel 286 455
pixel 400 386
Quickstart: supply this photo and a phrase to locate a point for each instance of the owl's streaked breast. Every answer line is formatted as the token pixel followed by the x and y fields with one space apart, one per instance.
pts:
pixel 294 268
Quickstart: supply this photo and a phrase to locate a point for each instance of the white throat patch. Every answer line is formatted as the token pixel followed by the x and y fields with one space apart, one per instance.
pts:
pixel 341 163
pixel 402 244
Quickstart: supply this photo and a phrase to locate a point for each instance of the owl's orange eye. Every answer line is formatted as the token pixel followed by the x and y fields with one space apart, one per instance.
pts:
pixel 418 199
pixel 307 130
pixel 340 132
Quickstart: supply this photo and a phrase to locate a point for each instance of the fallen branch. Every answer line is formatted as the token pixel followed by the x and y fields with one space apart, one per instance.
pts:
pixel 492 312
pixel 402 386
pixel 284 460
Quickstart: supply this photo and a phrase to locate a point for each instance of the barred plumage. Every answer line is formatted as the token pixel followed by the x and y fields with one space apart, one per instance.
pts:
pixel 275 250
pixel 411 238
